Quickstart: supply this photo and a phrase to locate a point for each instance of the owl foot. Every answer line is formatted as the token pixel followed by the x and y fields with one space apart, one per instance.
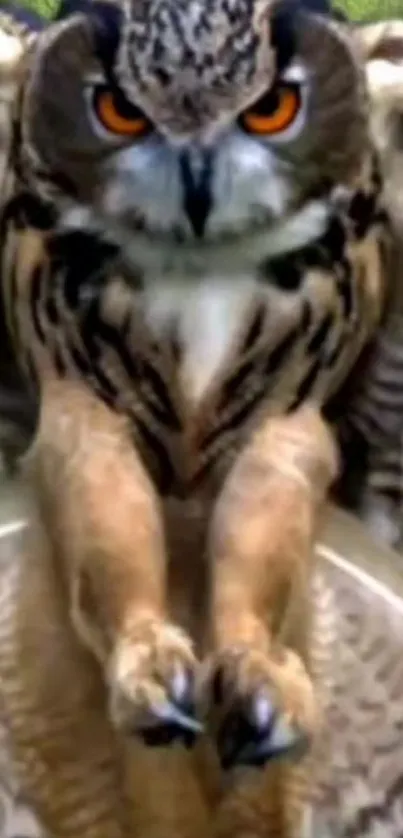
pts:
pixel 151 684
pixel 261 707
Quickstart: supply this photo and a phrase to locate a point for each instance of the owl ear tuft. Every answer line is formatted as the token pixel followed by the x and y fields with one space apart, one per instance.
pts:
pixel 106 18
pixel 324 7
pixel 285 16
pixel 316 7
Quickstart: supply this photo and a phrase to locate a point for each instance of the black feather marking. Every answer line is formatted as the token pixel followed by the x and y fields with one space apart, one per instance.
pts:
pixel 236 420
pixel 346 293
pixel 164 409
pixel 158 451
pixel 306 321
pixel 283 24
pixel 307 384
pixel 255 330
pixel 51 310
pixel 35 298
pixel 280 352
pixel 320 334
pixel 237 382
pixel 27 210
pixel 82 259
pixel 106 19
pixel 58 361
pixel 284 271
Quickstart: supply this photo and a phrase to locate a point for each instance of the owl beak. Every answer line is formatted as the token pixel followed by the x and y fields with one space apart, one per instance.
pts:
pixel 195 166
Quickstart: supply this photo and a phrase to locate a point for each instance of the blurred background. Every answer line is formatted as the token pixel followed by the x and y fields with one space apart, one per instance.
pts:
pixel 369 10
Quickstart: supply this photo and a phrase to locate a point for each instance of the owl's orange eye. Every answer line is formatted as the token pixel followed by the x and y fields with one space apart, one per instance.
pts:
pixel 117 115
pixel 274 112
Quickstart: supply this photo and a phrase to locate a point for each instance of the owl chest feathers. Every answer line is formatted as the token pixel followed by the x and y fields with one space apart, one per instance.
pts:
pixel 207 315
pixel 208 300
pixel 191 356
pixel 205 298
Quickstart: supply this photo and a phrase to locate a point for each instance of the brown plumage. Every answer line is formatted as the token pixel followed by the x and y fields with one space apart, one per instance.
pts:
pixel 185 294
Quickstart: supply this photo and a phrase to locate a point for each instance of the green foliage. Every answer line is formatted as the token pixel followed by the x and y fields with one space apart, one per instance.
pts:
pixel 371 9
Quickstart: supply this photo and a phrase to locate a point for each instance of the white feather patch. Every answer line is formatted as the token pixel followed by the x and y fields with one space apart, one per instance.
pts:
pixel 207 314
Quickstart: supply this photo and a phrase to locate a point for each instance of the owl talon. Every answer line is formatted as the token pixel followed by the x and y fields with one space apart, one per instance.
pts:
pixel 260 709
pixel 168 723
pixel 255 745
pixel 152 686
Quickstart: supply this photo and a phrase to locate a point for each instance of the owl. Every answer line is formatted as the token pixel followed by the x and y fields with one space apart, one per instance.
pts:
pixel 193 251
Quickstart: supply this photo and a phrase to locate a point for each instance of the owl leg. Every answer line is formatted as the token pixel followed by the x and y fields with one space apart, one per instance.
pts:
pixel 103 517
pixel 80 778
pixel 260 695
pixel 62 746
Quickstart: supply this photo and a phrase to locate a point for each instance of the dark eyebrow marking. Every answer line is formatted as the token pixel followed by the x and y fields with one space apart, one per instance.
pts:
pixel 283 33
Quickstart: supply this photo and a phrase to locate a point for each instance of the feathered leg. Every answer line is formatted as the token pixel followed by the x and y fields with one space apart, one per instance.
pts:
pixel 107 565
pixel 263 703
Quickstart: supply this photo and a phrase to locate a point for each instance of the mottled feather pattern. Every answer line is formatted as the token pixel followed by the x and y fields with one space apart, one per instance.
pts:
pixel 65 325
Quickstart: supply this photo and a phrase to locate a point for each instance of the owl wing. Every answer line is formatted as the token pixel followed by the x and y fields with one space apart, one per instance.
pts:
pixel 15 411
pixel 375 410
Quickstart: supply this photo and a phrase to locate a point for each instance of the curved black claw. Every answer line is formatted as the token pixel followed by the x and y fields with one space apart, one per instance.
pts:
pixel 174 720
pixel 253 732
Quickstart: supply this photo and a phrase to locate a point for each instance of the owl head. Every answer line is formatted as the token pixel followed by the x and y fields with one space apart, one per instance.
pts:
pixel 195 120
